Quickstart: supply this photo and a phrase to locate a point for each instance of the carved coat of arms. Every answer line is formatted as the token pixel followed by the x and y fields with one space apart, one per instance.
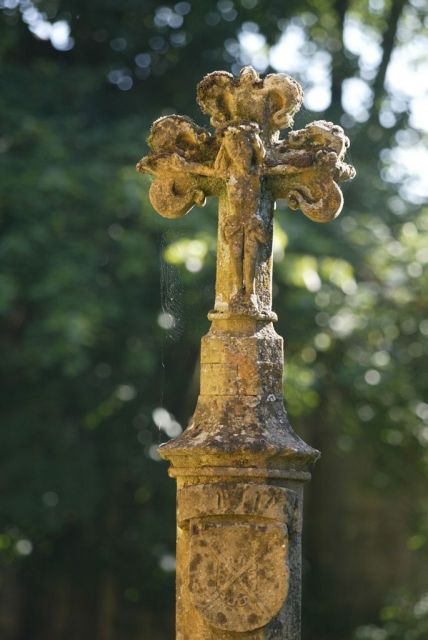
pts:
pixel 233 580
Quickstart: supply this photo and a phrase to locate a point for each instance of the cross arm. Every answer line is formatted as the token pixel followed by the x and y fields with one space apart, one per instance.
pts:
pixel 181 164
pixel 306 168
pixel 172 163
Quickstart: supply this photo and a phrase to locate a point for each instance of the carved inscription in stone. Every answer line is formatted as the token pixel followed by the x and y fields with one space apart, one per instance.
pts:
pixel 238 569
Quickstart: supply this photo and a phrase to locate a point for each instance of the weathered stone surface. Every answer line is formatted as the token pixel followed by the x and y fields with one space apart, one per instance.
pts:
pixel 240 467
pixel 247 166
pixel 240 590
pixel 240 419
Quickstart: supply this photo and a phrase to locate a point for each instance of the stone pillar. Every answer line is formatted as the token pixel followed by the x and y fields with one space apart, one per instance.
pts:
pixel 239 466
pixel 240 471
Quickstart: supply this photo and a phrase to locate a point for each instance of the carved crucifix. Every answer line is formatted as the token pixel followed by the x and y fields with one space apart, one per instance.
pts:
pixel 240 467
pixel 248 167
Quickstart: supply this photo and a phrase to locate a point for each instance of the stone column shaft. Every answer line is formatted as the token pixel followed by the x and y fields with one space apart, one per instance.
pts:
pixel 240 471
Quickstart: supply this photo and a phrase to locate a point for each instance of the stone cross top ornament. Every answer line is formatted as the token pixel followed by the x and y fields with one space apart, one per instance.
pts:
pixel 240 467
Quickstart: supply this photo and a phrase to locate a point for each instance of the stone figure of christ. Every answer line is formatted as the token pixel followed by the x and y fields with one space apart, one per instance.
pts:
pixel 239 163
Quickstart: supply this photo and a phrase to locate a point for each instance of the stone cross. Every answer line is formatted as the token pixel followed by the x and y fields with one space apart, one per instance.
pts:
pixel 240 467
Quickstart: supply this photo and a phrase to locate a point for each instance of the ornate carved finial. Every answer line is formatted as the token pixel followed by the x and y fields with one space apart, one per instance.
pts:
pixel 247 166
pixel 270 102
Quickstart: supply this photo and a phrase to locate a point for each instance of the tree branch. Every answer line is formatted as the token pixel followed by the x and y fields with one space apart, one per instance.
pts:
pixel 339 64
pixel 388 43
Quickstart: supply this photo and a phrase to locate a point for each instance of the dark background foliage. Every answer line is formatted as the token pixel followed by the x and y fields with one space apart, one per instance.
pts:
pixel 103 305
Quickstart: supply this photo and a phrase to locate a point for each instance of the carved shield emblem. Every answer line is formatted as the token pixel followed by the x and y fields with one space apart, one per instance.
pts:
pixel 234 578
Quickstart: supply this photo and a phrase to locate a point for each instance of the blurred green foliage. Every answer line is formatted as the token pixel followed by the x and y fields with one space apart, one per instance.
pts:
pixel 103 305
pixel 403 619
